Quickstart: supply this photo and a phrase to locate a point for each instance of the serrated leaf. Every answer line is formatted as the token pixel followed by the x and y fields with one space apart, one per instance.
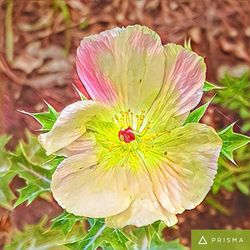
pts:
pixel 6 194
pixel 208 86
pixel 232 141
pixel 236 96
pixel 30 162
pixel 198 113
pixel 166 245
pixel 37 237
pixel 29 193
pixel 65 222
pixel 99 235
pixel 4 155
pixel 32 151
pixel 82 97
pixel 46 119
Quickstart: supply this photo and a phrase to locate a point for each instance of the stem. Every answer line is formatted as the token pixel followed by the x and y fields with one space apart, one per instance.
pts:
pixel 145 243
pixel 99 232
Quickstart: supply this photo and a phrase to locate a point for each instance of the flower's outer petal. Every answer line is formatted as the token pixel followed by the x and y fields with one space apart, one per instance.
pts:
pixel 124 65
pixel 83 188
pixel 182 89
pixel 145 209
pixel 183 180
pixel 70 125
pixel 83 144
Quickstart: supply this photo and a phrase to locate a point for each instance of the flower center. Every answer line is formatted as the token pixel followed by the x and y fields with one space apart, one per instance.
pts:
pixel 126 135
pixel 130 123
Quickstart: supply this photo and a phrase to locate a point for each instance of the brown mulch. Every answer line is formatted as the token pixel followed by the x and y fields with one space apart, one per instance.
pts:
pixel 45 35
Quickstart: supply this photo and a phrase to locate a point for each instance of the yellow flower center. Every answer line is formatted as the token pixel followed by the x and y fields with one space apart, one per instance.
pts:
pixel 127 138
pixel 136 122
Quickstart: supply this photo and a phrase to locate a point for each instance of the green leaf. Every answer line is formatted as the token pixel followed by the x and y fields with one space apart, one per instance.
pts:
pixel 65 222
pixel 198 113
pixel 29 193
pixel 6 194
pixel 157 244
pixel 187 44
pixel 37 237
pixel 46 119
pixel 215 204
pixel 150 237
pixel 208 86
pixel 30 162
pixel 4 155
pixel 232 141
pixel 83 98
pixel 236 96
pixel 101 236
pixel 230 177
pixel 243 187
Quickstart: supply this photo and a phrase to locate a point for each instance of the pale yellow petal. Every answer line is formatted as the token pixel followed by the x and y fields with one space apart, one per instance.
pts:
pixel 83 144
pixel 189 167
pixel 145 208
pixel 83 188
pixel 70 125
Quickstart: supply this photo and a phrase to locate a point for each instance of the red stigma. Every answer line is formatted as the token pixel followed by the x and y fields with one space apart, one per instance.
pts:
pixel 126 135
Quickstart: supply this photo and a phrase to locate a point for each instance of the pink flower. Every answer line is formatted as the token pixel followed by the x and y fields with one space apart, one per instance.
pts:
pixel 130 158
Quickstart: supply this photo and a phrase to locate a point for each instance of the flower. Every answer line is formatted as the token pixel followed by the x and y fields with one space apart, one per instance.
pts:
pixel 129 157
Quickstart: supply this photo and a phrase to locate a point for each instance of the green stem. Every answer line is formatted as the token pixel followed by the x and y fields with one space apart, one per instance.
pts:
pixel 99 232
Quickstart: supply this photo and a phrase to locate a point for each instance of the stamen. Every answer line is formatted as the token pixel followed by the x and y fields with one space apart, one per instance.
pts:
pixel 136 123
pixel 143 132
pixel 131 115
pixel 127 119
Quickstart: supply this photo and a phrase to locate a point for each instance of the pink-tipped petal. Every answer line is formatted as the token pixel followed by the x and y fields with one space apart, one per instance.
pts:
pixel 182 89
pixel 124 65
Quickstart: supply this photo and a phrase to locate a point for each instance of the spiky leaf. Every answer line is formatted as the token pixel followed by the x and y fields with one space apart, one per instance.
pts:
pixel 82 97
pixel 101 236
pixel 4 155
pixel 30 162
pixel 235 96
pixel 65 222
pixel 232 141
pixel 6 194
pixel 46 119
pixel 164 245
pixel 37 237
pixel 198 113
pixel 208 86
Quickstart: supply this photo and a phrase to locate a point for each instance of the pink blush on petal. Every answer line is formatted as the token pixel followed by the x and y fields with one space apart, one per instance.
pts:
pixel 98 87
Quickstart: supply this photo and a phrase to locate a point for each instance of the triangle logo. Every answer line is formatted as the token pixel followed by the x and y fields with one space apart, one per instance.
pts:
pixel 202 241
